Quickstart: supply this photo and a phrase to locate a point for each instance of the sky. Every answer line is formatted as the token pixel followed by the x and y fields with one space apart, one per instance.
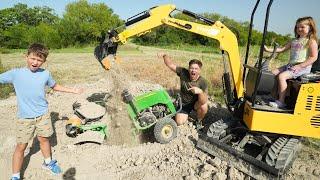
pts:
pixel 283 13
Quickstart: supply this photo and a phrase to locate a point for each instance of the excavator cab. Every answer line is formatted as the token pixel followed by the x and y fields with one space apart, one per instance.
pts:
pixel 260 136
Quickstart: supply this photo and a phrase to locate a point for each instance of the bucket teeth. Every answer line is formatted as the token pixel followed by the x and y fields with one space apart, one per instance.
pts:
pixel 117 59
pixel 106 63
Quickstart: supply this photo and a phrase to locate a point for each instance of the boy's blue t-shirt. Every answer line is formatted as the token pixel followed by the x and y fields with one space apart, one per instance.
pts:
pixel 30 90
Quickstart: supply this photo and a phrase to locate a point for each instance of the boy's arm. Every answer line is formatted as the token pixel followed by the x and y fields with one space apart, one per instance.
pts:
pixel 60 88
pixel 6 77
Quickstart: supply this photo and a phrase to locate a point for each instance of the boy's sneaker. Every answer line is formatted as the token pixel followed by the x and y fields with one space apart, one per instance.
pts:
pixel 277 104
pixel 52 166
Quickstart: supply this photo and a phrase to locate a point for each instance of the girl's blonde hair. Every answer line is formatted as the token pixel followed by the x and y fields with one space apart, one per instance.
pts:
pixel 310 22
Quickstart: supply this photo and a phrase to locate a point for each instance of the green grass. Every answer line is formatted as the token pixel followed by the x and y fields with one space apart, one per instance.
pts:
pixel 127 48
pixel 5 51
pixel 192 48
pixel 281 58
pixel 87 49
pixel 9 51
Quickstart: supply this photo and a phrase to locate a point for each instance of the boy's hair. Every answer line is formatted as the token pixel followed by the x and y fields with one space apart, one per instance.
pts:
pixel 310 22
pixel 38 50
pixel 195 61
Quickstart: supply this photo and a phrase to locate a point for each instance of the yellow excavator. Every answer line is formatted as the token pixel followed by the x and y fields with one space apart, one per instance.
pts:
pixel 258 140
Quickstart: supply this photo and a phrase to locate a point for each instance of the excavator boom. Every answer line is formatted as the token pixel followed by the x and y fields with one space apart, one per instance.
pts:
pixel 145 21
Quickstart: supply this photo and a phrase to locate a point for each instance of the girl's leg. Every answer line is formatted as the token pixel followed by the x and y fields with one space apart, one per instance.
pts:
pixel 276 72
pixel 283 77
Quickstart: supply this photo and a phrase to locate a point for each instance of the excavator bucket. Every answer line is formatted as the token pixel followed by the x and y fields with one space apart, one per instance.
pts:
pixel 107 49
pixel 106 63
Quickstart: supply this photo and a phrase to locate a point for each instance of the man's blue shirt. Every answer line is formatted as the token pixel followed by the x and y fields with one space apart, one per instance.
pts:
pixel 30 90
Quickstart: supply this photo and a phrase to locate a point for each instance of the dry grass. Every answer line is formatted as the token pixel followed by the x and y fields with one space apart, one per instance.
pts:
pixel 66 68
pixel 138 61
pixel 148 67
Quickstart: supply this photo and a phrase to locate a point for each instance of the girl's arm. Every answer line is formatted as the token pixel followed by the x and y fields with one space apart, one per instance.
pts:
pixel 313 54
pixel 279 49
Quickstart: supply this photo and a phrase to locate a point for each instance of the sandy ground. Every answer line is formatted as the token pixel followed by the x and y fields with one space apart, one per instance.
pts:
pixel 124 155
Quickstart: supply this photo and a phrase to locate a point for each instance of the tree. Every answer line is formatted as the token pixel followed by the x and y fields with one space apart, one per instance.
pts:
pixel 17 22
pixel 83 22
pixel 46 34
pixel 21 14
pixel 15 37
pixel 166 36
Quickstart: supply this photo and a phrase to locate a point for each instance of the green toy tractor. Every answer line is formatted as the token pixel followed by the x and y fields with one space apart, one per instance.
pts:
pixel 154 109
pixel 85 125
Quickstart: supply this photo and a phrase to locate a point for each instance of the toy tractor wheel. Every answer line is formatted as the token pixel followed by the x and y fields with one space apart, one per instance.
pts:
pixel 165 130
pixel 71 130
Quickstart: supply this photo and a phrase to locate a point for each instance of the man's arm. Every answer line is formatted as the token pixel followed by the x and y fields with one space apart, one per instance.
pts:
pixel 168 62
pixel 60 88
pixel 202 95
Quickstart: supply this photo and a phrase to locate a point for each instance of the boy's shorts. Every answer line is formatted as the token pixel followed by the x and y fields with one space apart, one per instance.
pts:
pixel 26 128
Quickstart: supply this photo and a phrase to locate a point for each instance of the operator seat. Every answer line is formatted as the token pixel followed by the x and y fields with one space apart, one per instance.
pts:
pixel 294 84
pixel 314 75
pixel 316 65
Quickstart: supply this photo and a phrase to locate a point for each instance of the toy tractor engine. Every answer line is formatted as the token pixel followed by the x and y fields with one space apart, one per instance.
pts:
pixel 154 109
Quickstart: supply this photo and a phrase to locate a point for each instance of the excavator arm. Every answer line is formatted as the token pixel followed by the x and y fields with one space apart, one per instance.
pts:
pixel 157 16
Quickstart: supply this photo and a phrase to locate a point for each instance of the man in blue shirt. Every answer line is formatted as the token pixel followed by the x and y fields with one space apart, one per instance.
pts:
pixel 33 116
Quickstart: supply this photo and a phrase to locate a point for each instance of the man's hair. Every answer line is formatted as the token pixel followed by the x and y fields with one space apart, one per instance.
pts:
pixel 38 50
pixel 195 61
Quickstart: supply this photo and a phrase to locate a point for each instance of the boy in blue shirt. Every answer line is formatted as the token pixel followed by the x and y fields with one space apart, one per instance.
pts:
pixel 33 116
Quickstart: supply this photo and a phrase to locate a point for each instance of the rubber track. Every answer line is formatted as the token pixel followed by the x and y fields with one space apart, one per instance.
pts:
pixel 239 160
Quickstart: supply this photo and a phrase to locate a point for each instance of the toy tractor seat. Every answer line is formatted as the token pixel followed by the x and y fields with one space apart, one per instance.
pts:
pixel 89 111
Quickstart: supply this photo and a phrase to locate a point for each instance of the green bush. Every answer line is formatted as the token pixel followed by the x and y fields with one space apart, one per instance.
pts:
pixel 4 51
pixel 15 37
pixel 46 34
pixel 5 90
